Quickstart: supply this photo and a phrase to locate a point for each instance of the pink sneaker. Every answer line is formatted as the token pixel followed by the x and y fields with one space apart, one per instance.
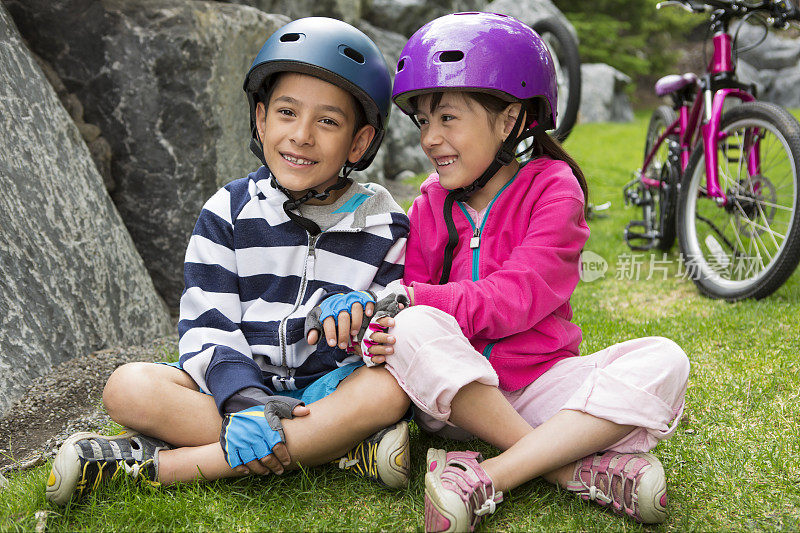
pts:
pixel 458 492
pixel 633 483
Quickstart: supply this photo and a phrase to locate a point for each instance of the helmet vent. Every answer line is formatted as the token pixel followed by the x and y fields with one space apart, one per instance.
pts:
pixel 451 56
pixel 291 37
pixel 401 64
pixel 524 84
pixel 353 54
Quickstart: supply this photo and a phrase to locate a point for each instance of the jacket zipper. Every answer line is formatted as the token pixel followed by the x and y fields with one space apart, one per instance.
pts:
pixel 475 244
pixel 475 241
pixel 310 257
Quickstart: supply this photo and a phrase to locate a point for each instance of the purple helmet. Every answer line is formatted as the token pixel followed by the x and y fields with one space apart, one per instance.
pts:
pixel 481 52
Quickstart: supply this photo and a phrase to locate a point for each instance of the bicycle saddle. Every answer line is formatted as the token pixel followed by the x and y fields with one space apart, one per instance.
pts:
pixel 674 82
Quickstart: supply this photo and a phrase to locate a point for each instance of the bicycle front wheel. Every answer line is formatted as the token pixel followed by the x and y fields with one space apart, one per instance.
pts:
pixel 749 246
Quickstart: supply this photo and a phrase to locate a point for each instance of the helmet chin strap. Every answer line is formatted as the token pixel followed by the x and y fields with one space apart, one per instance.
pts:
pixel 294 203
pixel 505 155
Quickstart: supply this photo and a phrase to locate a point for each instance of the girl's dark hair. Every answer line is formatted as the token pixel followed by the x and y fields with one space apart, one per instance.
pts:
pixel 544 144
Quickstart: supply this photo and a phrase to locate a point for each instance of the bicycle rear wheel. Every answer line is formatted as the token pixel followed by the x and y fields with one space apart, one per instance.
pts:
pixel 749 247
pixel 659 204
pixel 564 50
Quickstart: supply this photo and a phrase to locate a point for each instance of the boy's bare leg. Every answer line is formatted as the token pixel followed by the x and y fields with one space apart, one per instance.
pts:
pixel 369 400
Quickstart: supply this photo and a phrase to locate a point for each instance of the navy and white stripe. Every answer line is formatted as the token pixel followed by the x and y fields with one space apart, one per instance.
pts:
pixel 251 277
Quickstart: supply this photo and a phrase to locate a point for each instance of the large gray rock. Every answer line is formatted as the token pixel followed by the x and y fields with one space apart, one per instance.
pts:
pixel 400 151
pixel 346 10
pixel 604 98
pixel 762 79
pixel 785 87
pixel 774 52
pixel 71 280
pixel 530 12
pixel 163 80
pixel 407 16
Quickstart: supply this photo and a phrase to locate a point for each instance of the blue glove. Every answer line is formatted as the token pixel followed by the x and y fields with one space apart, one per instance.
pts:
pixel 252 433
pixel 333 305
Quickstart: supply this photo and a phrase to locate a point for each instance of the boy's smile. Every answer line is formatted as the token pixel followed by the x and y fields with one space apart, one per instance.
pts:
pixel 307 133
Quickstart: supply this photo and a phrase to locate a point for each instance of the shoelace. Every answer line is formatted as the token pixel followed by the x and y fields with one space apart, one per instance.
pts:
pixel 473 492
pixel 361 458
pixel 610 472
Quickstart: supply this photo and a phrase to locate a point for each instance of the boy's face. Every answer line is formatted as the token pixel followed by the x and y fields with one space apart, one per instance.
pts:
pixel 307 133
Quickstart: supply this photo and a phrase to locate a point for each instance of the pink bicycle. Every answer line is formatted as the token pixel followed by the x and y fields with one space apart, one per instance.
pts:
pixel 720 169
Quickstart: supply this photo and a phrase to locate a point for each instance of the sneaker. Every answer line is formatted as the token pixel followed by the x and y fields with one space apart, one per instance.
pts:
pixel 383 457
pixel 87 459
pixel 632 483
pixel 458 492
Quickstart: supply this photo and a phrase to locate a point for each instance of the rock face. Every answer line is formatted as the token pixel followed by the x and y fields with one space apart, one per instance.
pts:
pixel 71 279
pixel 347 10
pixel 401 152
pixel 163 81
pixel 530 12
pixel 407 16
pixel 603 98
pixel 773 65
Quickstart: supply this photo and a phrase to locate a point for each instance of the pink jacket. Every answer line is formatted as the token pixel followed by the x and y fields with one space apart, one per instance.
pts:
pixel 511 294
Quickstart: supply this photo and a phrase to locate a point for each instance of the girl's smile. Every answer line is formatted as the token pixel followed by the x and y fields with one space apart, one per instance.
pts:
pixel 461 138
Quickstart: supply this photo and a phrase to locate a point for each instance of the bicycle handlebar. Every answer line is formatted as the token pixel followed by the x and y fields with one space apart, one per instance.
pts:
pixel 779 12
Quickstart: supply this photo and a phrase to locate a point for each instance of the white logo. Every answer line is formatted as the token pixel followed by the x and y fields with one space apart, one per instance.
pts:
pixel 593 266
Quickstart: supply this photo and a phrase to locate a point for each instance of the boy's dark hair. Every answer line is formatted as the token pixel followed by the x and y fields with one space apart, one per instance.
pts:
pixel 358 109
pixel 544 144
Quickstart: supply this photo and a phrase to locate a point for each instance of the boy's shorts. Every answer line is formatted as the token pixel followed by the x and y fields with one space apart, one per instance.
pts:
pixel 319 389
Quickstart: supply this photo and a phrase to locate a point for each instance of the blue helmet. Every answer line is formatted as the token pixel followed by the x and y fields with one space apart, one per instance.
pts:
pixel 333 51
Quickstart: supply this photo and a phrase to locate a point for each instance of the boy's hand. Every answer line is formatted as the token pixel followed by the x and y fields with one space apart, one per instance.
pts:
pixel 340 317
pixel 252 439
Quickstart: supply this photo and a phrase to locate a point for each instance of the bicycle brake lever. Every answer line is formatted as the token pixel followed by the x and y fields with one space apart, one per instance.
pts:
pixel 674 3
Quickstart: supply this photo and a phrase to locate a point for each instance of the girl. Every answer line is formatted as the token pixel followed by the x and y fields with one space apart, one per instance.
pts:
pixel 492 259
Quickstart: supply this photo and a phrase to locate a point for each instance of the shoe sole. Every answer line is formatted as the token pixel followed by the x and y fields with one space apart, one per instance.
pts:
pixel 394 470
pixel 436 461
pixel 66 470
pixel 652 496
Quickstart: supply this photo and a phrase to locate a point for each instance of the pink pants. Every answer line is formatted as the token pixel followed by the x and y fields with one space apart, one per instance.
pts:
pixel 640 382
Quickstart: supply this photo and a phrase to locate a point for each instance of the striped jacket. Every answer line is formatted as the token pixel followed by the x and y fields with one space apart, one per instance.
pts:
pixel 252 275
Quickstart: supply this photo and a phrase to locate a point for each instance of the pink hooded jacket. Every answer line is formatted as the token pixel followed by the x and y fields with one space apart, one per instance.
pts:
pixel 510 295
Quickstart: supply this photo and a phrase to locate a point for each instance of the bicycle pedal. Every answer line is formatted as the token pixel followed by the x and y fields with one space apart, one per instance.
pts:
pixel 632 238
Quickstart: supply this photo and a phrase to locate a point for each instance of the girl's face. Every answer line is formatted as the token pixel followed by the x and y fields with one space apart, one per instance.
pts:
pixel 459 136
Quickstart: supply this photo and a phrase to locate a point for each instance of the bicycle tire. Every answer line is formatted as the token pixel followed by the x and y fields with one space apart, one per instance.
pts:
pixel 663 167
pixel 755 198
pixel 564 49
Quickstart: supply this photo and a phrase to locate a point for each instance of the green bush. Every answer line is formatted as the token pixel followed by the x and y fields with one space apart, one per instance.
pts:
pixel 629 35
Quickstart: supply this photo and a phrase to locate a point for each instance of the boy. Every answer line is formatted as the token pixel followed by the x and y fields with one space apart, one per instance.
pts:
pixel 266 250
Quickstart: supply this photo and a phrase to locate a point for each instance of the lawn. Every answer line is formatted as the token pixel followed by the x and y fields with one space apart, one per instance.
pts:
pixel 734 462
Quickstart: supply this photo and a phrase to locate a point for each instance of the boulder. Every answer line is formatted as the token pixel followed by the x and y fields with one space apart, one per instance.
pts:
pixel 407 16
pixel 347 10
pixel 163 81
pixel 762 79
pixel 773 53
pixel 607 100
pixel 530 12
pixel 72 281
pixel 400 151
pixel 784 90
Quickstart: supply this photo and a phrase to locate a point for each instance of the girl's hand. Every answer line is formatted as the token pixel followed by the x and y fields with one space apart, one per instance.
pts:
pixel 382 342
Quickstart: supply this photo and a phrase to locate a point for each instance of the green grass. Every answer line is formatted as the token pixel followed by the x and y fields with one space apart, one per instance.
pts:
pixel 733 464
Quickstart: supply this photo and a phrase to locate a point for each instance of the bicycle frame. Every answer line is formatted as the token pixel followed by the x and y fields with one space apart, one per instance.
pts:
pixel 716 86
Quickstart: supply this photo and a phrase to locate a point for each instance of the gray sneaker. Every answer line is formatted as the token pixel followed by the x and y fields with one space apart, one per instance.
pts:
pixel 383 457
pixel 86 459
